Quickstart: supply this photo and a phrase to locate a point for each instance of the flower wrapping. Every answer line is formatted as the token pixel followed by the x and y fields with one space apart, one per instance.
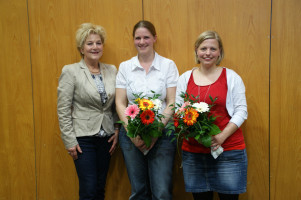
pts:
pixel 144 119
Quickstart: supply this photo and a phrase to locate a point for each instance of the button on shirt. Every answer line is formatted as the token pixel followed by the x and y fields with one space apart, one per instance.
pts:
pixel 162 74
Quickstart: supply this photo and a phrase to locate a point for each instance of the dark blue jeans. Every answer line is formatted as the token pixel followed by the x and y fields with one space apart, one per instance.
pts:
pixel 92 167
pixel 150 175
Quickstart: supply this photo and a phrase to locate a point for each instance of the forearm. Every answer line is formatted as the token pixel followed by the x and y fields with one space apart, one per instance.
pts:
pixel 121 104
pixel 170 103
pixel 168 113
pixel 227 132
pixel 120 111
pixel 66 127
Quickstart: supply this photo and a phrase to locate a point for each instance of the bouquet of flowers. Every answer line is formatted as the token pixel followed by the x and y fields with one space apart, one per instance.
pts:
pixel 144 119
pixel 192 120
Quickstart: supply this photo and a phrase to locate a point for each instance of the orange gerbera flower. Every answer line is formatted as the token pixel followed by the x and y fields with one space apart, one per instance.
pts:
pixel 191 116
pixel 145 104
pixel 147 117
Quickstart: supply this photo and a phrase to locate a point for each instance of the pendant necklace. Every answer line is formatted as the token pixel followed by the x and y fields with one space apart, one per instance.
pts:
pixel 207 89
pixel 205 94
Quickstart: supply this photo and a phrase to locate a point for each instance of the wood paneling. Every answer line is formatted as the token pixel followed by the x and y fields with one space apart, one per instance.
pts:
pixel 52 27
pixel 17 153
pixel 244 28
pixel 285 100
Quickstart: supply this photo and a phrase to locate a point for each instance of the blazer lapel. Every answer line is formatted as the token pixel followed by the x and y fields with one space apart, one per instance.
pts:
pixel 88 74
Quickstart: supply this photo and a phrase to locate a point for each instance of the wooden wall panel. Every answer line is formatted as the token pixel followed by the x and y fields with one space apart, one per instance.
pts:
pixel 52 27
pixel 285 122
pixel 244 28
pixel 17 152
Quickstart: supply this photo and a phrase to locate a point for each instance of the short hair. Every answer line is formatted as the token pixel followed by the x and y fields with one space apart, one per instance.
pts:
pixel 205 36
pixel 145 24
pixel 85 30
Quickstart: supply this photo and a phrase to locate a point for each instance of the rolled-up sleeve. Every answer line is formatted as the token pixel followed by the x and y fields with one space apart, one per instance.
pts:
pixel 182 87
pixel 173 75
pixel 121 77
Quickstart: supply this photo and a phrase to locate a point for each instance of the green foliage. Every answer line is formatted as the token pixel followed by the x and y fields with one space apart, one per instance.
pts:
pixel 206 140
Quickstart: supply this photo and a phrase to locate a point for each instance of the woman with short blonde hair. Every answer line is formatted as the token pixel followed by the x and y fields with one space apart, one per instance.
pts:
pixel 86 112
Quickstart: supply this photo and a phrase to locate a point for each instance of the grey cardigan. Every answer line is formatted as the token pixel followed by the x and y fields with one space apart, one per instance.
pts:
pixel 79 107
pixel 236 103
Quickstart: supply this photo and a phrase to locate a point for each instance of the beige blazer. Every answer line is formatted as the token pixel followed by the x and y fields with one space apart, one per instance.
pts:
pixel 79 107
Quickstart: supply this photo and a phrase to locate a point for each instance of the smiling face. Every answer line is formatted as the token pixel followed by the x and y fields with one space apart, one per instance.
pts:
pixel 93 48
pixel 208 52
pixel 144 41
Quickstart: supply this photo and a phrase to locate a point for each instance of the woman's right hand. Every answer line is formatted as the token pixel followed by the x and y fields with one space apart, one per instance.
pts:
pixel 73 151
pixel 139 143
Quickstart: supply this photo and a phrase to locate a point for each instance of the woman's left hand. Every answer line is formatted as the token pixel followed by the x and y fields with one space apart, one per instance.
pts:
pixel 114 139
pixel 154 140
pixel 217 141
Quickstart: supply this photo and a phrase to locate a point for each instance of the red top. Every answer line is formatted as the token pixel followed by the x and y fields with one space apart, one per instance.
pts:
pixel 217 89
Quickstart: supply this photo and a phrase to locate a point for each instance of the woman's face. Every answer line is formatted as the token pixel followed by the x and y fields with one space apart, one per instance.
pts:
pixel 144 41
pixel 208 52
pixel 92 48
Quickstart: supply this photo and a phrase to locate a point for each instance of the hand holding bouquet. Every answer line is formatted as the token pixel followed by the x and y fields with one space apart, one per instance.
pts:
pixel 144 119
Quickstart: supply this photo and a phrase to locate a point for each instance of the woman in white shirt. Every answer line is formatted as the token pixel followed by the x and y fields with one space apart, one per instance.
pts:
pixel 151 174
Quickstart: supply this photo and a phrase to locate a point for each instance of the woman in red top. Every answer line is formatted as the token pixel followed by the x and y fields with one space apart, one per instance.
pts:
pixel 227 174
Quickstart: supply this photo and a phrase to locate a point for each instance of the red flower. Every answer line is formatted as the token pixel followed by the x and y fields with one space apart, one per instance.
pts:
pixel 176 120
pixel 147 117
pixel 176 123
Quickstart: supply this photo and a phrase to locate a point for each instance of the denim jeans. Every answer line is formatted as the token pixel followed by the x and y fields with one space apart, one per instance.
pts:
pixel 92 167
pixel 227 174
pixel 150 175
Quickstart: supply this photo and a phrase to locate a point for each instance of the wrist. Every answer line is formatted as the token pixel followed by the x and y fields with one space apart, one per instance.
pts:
pixel 117 126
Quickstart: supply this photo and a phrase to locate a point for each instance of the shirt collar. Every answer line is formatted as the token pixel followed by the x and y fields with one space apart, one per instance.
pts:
pixel 155 63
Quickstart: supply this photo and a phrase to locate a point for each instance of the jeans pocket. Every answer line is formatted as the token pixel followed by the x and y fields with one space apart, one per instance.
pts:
pixel 124 140
pixel 233 156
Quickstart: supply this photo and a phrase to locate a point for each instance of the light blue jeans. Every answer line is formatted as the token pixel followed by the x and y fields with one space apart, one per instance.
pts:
pixel 150 175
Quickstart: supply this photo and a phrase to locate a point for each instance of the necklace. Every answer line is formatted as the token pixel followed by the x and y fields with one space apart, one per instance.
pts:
pixel 208 87
pixel 205 94
pixel 94 70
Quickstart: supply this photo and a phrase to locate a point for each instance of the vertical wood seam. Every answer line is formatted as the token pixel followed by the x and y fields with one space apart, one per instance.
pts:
pixel 32 96
pixel 142 9
pixel 270 57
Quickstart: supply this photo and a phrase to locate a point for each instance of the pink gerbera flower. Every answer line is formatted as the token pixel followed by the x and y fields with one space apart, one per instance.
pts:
pixel 132 111
pixel 182 109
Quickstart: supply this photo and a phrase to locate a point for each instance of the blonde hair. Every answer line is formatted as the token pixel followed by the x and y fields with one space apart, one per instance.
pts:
pixel 85 30
pixel 205 36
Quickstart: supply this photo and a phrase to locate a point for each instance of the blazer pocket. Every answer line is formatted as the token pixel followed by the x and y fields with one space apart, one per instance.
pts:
pixel 108 122
pixel 81 124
